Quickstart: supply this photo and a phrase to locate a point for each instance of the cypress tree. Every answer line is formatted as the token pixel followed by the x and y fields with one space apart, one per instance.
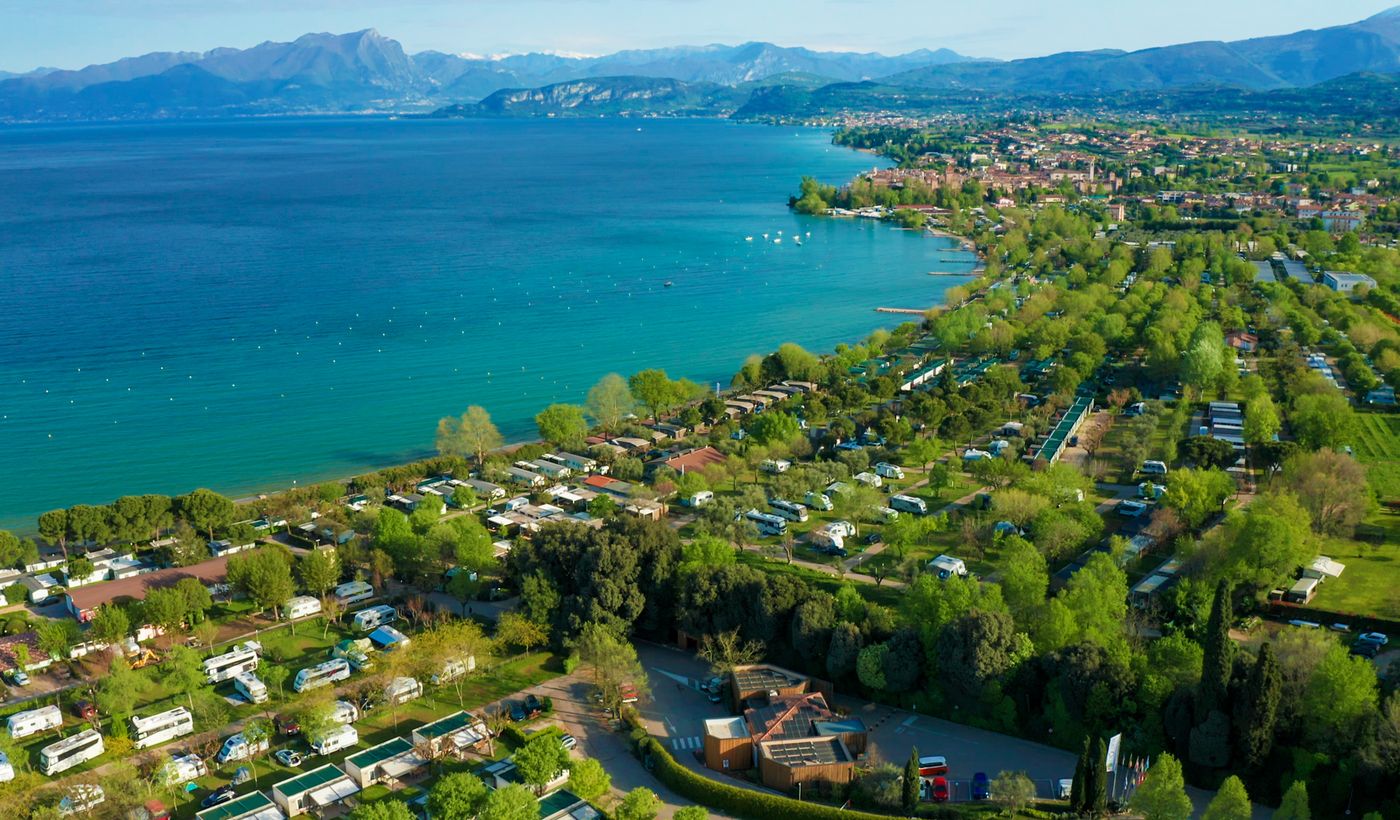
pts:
pixel 1219 654
pixel 1295 803
pixel 909 796
pixel 1076 790
pixel 1096 781
pixel 1257 714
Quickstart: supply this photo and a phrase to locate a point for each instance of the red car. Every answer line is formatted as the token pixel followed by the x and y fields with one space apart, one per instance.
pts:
pixel 939 790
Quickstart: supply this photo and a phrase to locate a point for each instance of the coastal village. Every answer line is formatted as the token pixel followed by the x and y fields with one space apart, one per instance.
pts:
pixel 1130 495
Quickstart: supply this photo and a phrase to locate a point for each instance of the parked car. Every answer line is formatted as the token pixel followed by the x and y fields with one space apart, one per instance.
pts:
pixel 287 757
pixel 286 725
pixel 533 706
pixel 838 552
pixel 84 709
pixel 628 693
pixel 872 538
pixel 517 712
pixel 938 792
pixel 1366 649
pixel 931 765
pixel 1377 638
pixel 981 786
pixel 568 741
pixel 18 677
pixel 223 794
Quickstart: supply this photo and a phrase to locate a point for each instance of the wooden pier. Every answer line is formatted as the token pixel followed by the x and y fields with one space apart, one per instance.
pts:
pixel 909 311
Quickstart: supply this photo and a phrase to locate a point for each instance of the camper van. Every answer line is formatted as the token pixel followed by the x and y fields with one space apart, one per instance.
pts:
pixel 34 721
pixel 452 670
pixel 302 606
pixel 181 769
pixel 886 470
pixel 909 504
pixel 698 499
pixel 322 674
pixel 241 658
pixel 1153 468
pixel 341 737
pixel 886 515
pixel 237 747
pixel 819 501
pixel 368 620
pixel 402 690
pixel 344 712
pixel 252 689
pixel 353 592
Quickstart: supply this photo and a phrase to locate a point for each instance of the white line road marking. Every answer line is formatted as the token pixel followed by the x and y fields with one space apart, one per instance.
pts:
pixel 909 721
pixel 683 744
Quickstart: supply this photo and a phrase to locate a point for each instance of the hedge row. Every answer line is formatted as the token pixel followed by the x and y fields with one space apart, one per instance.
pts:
pixel 745 803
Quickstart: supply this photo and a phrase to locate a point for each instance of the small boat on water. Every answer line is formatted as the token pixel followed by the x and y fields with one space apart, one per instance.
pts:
pixel 748 239
pixel 778 241
pixel 797 240
pixel 765 236
pixel 668 283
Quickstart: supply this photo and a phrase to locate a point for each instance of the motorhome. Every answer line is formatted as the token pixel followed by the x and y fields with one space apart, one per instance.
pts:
pixel 322 674
pixel 242 658
pixel 353 592
pixel 83 797
pixel 402 690
pixel 367 620
pixel 887 515
pixel 34 721
pixel 886 470
pixel 181 769
pixel 909 504
pixel 818 501
pixel 161 728
pixel 344 712
pixel 767 524
pixel 869 479
pixel 7 769
pixel 698 499
pixel 252 689
pixel 72 751
pixel 341 737
pixel 452 670
pixel 238 747
pixel 302 606
pixel 788 510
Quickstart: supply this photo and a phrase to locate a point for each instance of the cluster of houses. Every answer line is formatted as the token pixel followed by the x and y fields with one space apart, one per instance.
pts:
pixel 785 729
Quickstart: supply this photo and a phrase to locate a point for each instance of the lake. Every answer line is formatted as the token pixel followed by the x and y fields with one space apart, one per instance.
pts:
pixel 245 304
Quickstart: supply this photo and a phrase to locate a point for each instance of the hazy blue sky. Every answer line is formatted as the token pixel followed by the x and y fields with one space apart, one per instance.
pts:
pixel 73 33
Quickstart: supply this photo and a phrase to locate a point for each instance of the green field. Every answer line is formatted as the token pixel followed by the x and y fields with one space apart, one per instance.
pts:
pixel 1378 447
pixel 1369 583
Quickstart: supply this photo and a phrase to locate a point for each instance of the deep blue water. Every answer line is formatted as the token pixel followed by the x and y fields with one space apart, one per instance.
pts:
pixel 243 304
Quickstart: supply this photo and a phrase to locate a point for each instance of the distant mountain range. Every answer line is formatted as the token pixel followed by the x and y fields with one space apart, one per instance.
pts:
pixel 365 71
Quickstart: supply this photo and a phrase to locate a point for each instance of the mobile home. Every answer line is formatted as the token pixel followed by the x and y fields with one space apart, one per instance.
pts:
pixel 302 606
pixel 252 689
pixel 909 504
pixel 402 690
pixel 367 620
pixel 341 737
pixel 353 592
pixel 34 721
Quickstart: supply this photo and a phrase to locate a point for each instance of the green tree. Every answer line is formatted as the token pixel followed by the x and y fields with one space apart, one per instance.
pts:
pixel 1025 576
pixel 1230 803
pixel 319 571
pixel 1013 792
pixel 1322 420
pixel 691 813
pixel 1198 494
pixel 541 759
pixel 610 401
pixel 109 624
pixel 120 690
pixel 514 629
pixel 1162 795
pixel 639 804
pixel 1339 697
pixel 1332 487
pixel 458 796
pixel 774 428
pixel 382 810
pixel 588 779
pixel 1096 781
pixel 921 452
pixel 870 666
pixel 909 785
pixel 1270 540
pixel 654 389
pixel 1261 421
pixel 1219 655
pixel 196 597
pixel 206 510
pixel 165 607
pixel 79 569
pixel 56 638
pixel 472 435
pixel 274 675
pixel 1295 803
pixel 563 425
pixel 1256 714
pixel 1078 792
pixel 264 575
pixel 1209 452
pixel 53 528
pixel 514 802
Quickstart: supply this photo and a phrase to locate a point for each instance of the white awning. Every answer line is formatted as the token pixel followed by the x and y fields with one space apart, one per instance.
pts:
pixel 465 738
pixel 333 793
pixel 401 765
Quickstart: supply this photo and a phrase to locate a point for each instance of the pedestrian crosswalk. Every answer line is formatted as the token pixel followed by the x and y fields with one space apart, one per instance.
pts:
pixel 684 744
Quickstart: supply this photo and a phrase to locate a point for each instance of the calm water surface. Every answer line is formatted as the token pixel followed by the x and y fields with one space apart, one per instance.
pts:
pixel 241 305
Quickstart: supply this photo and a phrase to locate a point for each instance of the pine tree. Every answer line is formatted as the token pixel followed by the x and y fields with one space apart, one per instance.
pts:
pixel 909 796
pixel 1162 795
pixel 1257 712
pixel 1295 803
pixel 1219 654
pixel 1230 803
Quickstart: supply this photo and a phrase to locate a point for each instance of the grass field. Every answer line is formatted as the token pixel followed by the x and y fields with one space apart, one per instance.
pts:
pixel 1378 447
pixel 1369 583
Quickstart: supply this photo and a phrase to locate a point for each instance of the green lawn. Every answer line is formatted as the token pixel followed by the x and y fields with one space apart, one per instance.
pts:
pixel 1369 583
pixel 1378 447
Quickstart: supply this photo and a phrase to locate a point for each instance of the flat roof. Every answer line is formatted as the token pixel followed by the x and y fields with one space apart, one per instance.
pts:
pixel 252 803
pixel 814 751
pixel 560 801
pixel 388 750
pixel 136 587
pixel 765 678
pixel 729 728
pixel 314 779
pixel 448 725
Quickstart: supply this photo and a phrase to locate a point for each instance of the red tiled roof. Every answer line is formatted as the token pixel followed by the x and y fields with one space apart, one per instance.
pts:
pixel 136 587
pixel 695 459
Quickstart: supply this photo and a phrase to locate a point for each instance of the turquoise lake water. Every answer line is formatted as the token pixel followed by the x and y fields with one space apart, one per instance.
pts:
pixel 241 305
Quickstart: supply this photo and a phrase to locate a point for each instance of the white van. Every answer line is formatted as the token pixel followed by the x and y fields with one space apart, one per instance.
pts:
pixel 909 504
pixel 344 712
pixel 368 620
pixel 302 606
pixel 237 747
pixel 341 737
pixel 886 470
pixel 7 770
pixel 1153 468
pixel 452 670
pixel 252 689
pixel 698 499
pixel 34 721
pixel 353 592
pixel 402 690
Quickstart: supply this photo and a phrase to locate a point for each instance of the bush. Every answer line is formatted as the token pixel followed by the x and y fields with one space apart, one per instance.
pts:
pixel 570 664
pixel 547 704
pixel 15 594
